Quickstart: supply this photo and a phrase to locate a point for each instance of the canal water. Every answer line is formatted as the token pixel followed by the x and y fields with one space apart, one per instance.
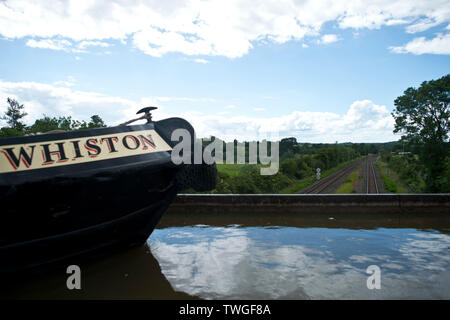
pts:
pixel 262 261
pixel 238 262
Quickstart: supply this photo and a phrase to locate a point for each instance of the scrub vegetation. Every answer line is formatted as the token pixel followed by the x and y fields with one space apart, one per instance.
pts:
pixel 350 184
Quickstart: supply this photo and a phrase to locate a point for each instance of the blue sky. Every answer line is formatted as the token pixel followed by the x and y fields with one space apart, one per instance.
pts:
pixel 320 71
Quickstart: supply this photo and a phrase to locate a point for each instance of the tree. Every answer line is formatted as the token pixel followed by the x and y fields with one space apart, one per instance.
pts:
pixel 287 147
pixel 14 114
pixel 422 115
pixel 47 124
pixel 289 167
pixel 10 132
pixel 64 123
pixel 96 122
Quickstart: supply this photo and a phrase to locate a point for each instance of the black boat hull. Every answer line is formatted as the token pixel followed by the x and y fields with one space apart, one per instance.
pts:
pixel 74 247
pixel 104 189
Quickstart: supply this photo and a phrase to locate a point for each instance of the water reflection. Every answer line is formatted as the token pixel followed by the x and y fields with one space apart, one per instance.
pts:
pixel 133 274
pixel 262 261
pixel 302 263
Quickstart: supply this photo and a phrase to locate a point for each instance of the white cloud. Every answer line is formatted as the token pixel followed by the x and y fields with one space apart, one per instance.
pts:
pixel 438 45
pixel 185 99
pixel 204 61
pixel 65 45
pixel 328 38
pixel 70 82
pixel 55 101
pixel 84 44
pixel 53 44
pixel 422 25
pixel 197 27
pixel 364 121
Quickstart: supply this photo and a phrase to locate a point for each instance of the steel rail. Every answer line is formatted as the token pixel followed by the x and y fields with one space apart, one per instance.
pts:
pixel 374 177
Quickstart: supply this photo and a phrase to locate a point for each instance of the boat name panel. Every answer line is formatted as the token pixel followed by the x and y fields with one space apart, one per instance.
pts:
pixel 21 157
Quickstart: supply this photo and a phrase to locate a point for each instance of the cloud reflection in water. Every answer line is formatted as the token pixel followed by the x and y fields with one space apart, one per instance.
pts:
pixel 302 263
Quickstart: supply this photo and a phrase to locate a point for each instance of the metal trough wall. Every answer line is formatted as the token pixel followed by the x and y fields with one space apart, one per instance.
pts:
pixel 317 202
pixel 355 211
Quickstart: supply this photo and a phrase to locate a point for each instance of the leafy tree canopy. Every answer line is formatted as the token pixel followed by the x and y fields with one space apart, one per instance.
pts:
pixel 14 114
pixel 422 115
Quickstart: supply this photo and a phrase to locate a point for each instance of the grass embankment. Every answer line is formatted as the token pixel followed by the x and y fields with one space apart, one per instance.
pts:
pixel 350 184
pixel 392 182
pixel 233 169
pixel 239 173
pixel 303 183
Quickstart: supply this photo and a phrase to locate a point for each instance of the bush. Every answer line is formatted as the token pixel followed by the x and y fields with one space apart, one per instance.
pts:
pixel 10 132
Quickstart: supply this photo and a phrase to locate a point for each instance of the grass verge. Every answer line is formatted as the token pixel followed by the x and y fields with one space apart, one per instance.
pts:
pixel 233 169
pixel 392 182
pixel 349 185
pixel 303 183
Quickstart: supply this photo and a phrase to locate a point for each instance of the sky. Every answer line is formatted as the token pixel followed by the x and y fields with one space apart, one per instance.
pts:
pixel 320 71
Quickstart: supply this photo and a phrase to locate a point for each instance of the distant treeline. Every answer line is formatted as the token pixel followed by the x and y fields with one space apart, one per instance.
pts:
pixel 290 147
pixel 329 154
pixel 47 124
pixel 15 113
pixel 298 162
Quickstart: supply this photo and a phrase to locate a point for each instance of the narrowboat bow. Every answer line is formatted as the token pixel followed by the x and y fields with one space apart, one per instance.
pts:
pixel 76 193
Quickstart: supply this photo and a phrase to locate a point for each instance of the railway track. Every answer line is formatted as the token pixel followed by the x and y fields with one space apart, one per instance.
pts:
pixel 371 178
pixel 321 185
